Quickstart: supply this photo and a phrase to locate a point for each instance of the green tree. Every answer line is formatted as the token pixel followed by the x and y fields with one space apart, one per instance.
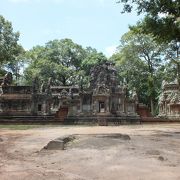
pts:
pixel 16 65
pixel 146 54
pixel 162 21
pixel 173 58
pixel 66 62
pixel 65 52
pixel 92 58
pixel 63 60
pixel 59 59
pixel 9 47
pixel 162 17
pixel 132 71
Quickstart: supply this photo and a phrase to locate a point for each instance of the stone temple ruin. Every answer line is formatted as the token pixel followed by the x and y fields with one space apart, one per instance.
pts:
pixel 103 102
pixel 169 100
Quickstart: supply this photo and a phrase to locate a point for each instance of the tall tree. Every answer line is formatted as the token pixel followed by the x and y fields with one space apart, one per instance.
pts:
pixel 65 52
pixel 142 47
pixel 162 21
pixel 132 71
pixel 16 65
pixel 173 55
pixel 92 58
pixel 9 47
pixel 162 17
pixel 63 60
pixel 59 59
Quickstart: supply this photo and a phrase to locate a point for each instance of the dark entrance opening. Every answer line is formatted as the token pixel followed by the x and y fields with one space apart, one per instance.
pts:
pixel 101 107
pixel 39 107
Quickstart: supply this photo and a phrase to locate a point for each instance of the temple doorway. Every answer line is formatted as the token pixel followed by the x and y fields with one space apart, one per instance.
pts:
pixel 62 113
pixel 101 107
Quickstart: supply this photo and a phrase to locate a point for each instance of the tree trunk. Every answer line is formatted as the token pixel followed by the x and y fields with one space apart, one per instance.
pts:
pixel 178 74
pixel 64 81
pixel 178 63
pixel 152 105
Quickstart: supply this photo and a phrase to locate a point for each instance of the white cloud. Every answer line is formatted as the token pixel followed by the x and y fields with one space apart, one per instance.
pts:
pixel 110 50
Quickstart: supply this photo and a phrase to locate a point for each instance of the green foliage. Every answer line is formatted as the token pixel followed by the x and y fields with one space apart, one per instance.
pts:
pixel 66 62
pixel 133 71
pixel 2 72
pixel 139 59
pixel 91 59
pixel 9 48
pixel 145 48
pixel 11 53
pixel 161 21
pixel 65 52
pixel 162 17
pixel 59 59
pixel 172 54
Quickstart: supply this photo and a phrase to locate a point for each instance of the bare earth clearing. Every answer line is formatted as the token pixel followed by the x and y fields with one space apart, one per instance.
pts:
pixel 153 152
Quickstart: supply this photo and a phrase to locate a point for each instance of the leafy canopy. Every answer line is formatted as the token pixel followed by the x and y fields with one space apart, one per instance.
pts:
pixel 9 47
pixel 139 58
pixel 66 62
pixel 10 50
pixel 162 17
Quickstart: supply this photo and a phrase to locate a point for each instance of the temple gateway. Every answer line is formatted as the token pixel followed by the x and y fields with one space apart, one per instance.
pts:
pixel 105 101
pixel 169 101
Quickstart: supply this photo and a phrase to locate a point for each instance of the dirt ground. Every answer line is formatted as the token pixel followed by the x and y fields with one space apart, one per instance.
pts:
pixel 153 153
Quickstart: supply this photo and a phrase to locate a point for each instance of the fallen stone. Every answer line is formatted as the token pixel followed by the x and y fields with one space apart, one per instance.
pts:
pixel 161 158
pixel 153 152
pixel 55 145
pixel 115 136
pixel 1 140
pixel 59 143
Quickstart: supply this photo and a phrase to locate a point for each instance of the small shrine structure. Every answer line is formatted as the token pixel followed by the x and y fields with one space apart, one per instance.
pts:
pixel 169 101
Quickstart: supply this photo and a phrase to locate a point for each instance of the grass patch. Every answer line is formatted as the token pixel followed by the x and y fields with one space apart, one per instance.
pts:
pixel 19 126
pixel 33 126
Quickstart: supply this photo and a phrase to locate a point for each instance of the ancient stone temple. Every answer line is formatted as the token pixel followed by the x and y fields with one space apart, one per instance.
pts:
pixel 169 101
pixel 104 102
pixel 22 100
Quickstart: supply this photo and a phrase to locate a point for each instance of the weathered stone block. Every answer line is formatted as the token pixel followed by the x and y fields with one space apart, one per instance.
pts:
pixel 56 144
pixel 59 143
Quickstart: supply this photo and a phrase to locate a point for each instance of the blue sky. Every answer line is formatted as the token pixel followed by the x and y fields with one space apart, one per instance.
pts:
pixel 96 23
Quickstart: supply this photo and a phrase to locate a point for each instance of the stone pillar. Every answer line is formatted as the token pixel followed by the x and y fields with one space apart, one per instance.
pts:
pixel 165 108
pixel 124 106
pixel 81 104
pixel 107 105
pixel 95 106
pixel 34 105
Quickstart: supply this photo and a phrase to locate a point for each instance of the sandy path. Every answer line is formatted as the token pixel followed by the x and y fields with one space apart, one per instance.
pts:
pixel 152 153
